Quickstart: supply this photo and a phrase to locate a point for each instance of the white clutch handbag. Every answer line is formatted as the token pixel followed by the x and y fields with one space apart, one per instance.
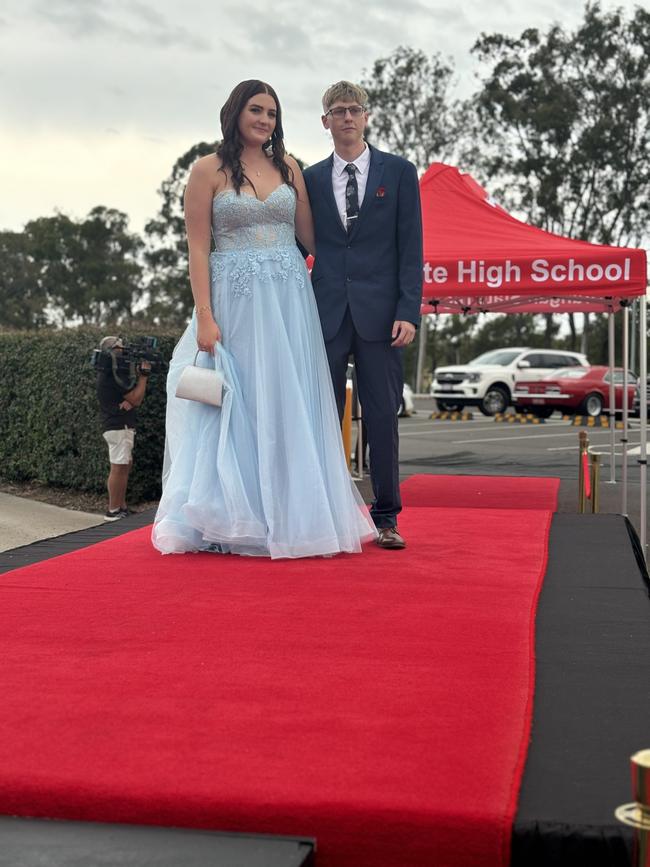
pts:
pixel 204 384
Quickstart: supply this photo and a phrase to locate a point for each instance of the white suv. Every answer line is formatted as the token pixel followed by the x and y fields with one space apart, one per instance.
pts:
pixel 488 381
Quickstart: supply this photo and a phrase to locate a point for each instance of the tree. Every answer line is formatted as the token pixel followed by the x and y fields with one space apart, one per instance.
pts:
pixel 88 270
pixel 509 329
pixel 170 295
pixel 562 128
pixel 411 111
pixel 22 298
pixel 565 125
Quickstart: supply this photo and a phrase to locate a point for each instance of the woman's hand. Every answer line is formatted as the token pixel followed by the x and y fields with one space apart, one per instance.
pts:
pixel 207 333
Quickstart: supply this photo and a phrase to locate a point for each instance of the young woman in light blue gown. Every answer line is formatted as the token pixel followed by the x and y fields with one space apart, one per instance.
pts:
pixel 265 474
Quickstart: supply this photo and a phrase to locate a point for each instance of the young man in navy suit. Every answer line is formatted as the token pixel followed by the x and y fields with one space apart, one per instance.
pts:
pixel 367 279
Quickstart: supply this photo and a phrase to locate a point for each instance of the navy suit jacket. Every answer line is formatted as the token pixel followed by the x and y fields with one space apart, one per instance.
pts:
pixel 377 269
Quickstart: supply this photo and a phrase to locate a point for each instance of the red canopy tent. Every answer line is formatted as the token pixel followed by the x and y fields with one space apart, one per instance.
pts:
pixel 477 257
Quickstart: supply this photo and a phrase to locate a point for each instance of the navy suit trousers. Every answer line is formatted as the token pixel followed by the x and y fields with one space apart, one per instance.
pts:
pixel 380 380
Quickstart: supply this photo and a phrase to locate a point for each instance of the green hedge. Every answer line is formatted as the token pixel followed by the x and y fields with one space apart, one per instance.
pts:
pixel 50 428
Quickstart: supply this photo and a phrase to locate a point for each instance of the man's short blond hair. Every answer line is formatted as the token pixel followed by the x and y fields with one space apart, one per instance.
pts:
pixel 344 91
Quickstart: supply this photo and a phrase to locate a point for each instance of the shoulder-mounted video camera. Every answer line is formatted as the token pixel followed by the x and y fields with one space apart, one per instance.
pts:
pixel 124 360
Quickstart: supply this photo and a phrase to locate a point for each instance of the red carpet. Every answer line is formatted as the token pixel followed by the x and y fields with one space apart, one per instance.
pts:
pixel 378 702
pixel 481 492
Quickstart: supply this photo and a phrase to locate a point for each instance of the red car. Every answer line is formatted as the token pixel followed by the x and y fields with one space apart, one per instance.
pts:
pixel 573 390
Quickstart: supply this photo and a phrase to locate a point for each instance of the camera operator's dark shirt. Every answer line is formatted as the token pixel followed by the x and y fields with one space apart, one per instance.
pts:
pixel 110 396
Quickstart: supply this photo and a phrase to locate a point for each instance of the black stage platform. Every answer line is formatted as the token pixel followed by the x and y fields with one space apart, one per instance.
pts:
pixel 592 698
pixel 592 712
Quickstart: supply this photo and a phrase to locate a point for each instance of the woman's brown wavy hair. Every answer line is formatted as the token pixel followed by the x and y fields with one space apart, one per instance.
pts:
pixel 230 148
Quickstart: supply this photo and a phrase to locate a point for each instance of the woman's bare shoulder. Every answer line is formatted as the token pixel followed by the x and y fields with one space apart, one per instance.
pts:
pixel 292 162
pixel 210 162
pixel 207 170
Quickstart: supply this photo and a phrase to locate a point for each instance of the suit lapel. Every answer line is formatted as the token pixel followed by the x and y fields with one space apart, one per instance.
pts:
pixel 328 191
pixel 375 172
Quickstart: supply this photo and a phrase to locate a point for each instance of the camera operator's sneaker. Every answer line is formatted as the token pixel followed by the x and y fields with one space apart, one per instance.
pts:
pixel 114 515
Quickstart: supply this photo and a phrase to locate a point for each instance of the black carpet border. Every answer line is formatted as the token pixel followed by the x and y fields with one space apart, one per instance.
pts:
pixel 591 702
pixel 637 548
pixel 45 549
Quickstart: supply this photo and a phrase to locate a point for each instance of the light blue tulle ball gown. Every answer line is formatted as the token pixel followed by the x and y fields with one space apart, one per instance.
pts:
pixel 265 474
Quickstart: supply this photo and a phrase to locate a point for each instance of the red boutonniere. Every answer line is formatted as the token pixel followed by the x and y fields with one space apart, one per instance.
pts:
pixel 381 192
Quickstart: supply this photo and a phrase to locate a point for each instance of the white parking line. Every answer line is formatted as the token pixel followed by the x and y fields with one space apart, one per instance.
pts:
pixel 526 436
pixel 416 433
pixel 445 427
pixel 520 431
pixel 471 426
pixel 575 448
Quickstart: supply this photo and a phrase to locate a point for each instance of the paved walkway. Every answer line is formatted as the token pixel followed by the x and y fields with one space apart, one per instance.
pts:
pixel 23 521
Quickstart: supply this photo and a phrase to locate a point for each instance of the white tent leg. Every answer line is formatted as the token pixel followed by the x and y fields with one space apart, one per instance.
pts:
pixel 422 351
pixel 634 315
pixel 625 351
pixel 612 417
pixel 643 457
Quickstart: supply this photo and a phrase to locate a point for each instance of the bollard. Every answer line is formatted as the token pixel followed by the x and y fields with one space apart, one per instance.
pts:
pixel 346 427
pixel 582 478
pixel 361 446
pixel 595 481
pixel 355 416
pixel 637 814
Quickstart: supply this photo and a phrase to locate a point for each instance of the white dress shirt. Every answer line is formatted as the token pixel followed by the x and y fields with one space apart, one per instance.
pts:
pixel 340 180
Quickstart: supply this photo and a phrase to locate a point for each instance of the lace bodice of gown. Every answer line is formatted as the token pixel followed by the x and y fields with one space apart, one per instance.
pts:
pixel 241 222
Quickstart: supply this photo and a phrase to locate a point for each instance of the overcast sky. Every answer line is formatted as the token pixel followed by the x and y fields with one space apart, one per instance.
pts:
pixel 99 97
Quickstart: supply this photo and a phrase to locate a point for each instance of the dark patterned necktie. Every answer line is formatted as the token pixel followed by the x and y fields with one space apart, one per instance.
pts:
pixel 351 197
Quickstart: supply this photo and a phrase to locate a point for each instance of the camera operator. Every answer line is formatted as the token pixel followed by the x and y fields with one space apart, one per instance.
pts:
pixel 118 407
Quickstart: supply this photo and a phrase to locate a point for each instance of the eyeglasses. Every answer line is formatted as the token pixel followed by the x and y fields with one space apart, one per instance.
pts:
pixel 339 113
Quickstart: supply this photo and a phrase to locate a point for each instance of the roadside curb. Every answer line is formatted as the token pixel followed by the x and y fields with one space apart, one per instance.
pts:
pixel 452 416
pixel 518 418
pixel 591 421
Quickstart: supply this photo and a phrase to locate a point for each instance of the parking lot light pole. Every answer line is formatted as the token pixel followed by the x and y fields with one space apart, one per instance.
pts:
pixel 422 351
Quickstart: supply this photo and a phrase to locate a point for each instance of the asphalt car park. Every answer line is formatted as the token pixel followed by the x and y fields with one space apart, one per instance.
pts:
pixel 484 442
pixel 483 446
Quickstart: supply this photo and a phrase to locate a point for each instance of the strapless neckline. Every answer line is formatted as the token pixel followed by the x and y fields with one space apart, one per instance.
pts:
pixel 246 195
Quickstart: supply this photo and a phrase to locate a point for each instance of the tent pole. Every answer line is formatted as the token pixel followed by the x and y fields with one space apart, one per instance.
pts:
pixel 625 351
pixel 633 317
pixel 643 408
pixel 422 351
pixel 612 416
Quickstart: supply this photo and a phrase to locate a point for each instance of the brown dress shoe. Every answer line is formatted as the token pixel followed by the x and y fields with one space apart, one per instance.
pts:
pixel 389 538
